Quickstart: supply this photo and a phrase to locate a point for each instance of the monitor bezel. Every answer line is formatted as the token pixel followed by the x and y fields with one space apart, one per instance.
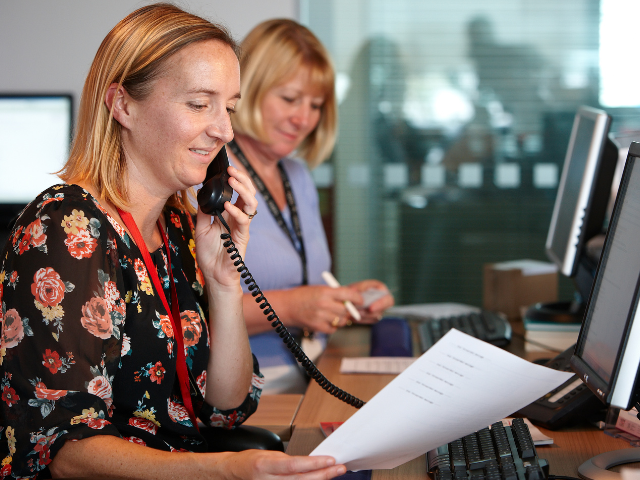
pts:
pixel 622 389
pixel 582 210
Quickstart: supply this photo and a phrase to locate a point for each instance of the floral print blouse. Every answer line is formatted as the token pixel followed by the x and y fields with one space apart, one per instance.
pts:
pixel 87 347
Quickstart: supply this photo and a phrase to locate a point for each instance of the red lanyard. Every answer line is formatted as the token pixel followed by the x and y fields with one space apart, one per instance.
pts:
pixel 174 312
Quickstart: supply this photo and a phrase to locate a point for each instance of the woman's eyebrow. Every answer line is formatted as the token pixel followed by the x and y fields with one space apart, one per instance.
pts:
pixel 208 91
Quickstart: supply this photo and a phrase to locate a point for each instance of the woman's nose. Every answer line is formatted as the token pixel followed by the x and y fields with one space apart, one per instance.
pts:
pixel 220 127
pixel 302 115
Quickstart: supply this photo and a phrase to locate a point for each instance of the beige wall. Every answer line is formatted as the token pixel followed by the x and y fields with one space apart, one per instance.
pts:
pixel 48 45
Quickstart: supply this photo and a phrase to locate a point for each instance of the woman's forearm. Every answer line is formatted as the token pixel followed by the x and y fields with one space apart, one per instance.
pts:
pixel 106 456
pixel 230 363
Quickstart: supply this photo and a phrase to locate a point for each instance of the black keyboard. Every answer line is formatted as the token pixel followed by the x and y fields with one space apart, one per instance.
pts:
pixel 496 453
pixel 488 326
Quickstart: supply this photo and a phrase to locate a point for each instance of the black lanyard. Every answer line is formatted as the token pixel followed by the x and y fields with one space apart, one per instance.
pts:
pixel 273 207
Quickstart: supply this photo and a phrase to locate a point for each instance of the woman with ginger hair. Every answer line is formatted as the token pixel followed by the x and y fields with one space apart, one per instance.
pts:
pixel 117 337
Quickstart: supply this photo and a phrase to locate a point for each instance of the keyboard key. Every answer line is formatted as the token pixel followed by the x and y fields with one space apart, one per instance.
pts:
pixel 533 472
pixel 492 453
pixel 522 438
pixel 503 449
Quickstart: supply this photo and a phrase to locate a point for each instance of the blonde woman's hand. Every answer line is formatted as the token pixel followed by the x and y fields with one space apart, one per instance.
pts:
pixel 373 312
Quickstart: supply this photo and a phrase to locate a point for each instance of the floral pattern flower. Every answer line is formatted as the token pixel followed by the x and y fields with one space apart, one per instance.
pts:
pixel 25 243
pixel 75 222
pixel 96 318
pixel 126 345
pixel 219 419
pixel 13 329
pixel 137 440
pixel 36 231
pixel 202 382
pixel 67 258
pixel 141 270
pixel 47 287
pixel 144 424
pixel 52 361
pixel 191 328
pixel 81 245
pixel 42 392
pixel 101 387
pixel 155 372
pixel 175 219
pixel 91 418
pixel 165 325
pixel 9 395
pixel 178 413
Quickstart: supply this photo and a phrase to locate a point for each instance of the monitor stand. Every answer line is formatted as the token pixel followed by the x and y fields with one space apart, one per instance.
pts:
pixel 596 467
pixel 568 311
pixel 556 312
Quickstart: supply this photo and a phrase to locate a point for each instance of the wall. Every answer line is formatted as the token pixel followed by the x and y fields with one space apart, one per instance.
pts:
pixel 47 45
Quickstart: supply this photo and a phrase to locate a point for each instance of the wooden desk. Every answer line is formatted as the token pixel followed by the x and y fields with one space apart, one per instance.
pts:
pixel 276 413
pixel 571 448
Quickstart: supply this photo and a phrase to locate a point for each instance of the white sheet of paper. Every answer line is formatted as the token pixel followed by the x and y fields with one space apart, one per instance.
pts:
pixel 384 365
pixel 458 386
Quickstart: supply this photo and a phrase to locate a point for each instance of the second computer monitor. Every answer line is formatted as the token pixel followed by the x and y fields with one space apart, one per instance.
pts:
pixel 584 189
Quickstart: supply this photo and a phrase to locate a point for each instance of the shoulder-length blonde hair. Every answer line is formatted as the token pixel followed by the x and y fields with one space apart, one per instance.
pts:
pixel 132 55
pixel 271 54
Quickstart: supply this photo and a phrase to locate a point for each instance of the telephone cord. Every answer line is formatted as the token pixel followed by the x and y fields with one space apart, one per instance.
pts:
pixel 279 327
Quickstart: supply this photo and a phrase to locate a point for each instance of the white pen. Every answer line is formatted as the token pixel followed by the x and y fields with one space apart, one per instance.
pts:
pixel 332 282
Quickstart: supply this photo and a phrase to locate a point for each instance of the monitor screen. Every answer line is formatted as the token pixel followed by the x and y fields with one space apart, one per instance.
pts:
pixel 35 134
pixel 584 189
pixel 607 354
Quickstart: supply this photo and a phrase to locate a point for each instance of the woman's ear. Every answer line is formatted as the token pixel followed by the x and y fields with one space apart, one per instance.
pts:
pixel 117 101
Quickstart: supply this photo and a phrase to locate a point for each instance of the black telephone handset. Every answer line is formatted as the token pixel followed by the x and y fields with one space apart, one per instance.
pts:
pixel 211 197
pixel 565 404
pixel 215 189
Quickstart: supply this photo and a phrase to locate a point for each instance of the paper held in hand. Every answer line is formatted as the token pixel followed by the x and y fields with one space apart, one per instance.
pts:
pixel 458 386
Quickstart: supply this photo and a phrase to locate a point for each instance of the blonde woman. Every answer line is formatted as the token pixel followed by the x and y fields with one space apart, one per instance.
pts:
pixel 115 340
pixel 286 125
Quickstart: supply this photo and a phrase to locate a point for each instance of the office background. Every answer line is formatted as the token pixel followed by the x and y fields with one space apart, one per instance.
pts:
pixel 454 117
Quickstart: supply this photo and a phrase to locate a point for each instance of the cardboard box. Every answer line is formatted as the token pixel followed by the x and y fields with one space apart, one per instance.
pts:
pixel 510 287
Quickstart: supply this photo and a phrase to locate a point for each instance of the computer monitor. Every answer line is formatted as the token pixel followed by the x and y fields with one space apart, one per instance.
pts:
pixel 607 355
pixel 35 134
pixel 580 209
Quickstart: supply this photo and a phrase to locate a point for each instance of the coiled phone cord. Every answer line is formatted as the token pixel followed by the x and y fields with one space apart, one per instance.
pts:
pixel 279 327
